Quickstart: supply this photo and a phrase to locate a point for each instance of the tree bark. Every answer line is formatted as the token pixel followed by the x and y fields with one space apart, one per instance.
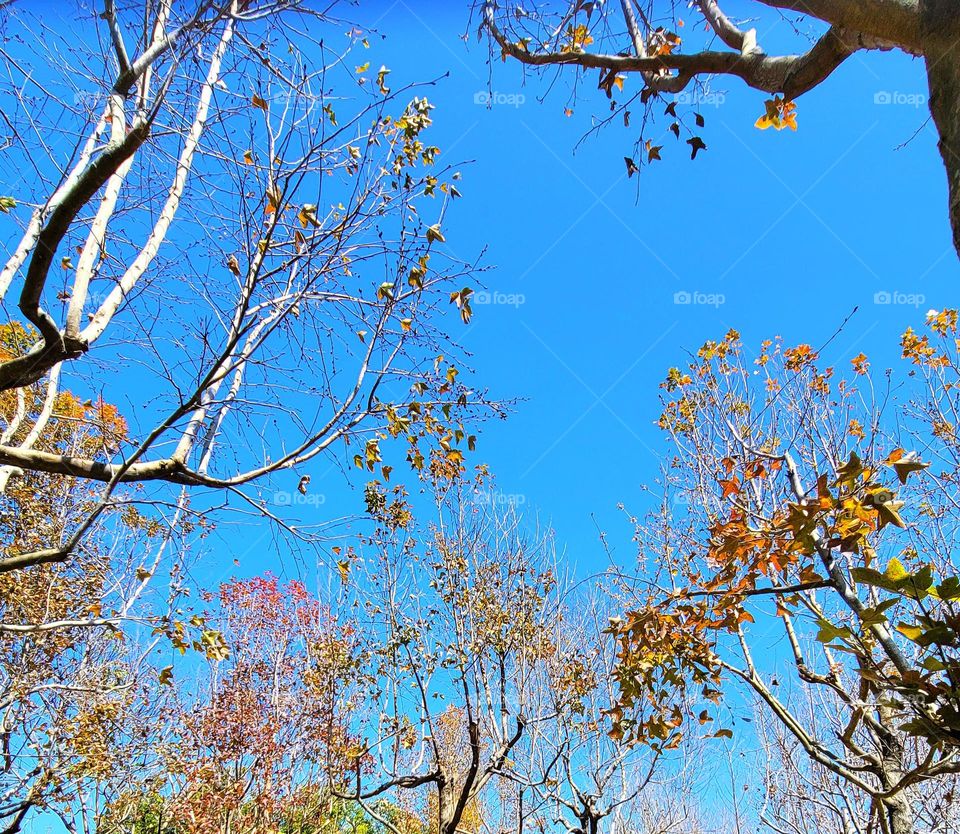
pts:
pixel 897 807
pixel 899 815
pixel 940 22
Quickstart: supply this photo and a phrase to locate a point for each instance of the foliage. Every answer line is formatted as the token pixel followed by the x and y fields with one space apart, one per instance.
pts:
pixel 792 504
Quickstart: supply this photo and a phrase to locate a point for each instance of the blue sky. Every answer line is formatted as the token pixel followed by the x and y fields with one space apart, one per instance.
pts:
pixel 792 230
pixel 770 233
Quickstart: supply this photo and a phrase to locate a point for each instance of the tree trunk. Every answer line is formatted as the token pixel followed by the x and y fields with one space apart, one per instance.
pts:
pixel 899 814
pixel 940 26
pixel 898 806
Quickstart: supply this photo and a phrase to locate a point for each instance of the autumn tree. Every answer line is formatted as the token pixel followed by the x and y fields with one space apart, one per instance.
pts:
pixel 246 739
pixel 74 682
pixel 569 773
pixel 239 234
pixel 399 689
pixel 818 502
pixel 457 625
pixel 642 53
pixel 793 794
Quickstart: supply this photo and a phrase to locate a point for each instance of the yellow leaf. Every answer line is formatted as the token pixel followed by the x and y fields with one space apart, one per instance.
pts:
pixel 909 631
pixel 307 215
pixel 895 569
pixel 248 157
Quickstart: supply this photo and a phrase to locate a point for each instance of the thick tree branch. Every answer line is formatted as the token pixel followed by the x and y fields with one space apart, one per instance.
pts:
pixel 894 21
pixel 791 75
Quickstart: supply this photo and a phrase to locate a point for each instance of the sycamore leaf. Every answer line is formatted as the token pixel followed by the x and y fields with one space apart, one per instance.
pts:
pixel 889 513
pixel 434 234
pixel 895 570
pixel 653 151
pixel 381 78
pixel 631 166
pixel 779 113
pixel 308 215
pixel 696 145
pixel 909 631
pixel 257 101
pixel 273 199
pixel 829 632
pixel 908 463
pixel 949 589
pixel 851 470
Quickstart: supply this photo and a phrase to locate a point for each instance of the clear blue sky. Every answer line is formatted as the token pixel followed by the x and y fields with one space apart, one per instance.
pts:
pixel 794 230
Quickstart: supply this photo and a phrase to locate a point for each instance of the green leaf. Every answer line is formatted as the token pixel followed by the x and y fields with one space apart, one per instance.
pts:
pixel 949 589
pixel 829 632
